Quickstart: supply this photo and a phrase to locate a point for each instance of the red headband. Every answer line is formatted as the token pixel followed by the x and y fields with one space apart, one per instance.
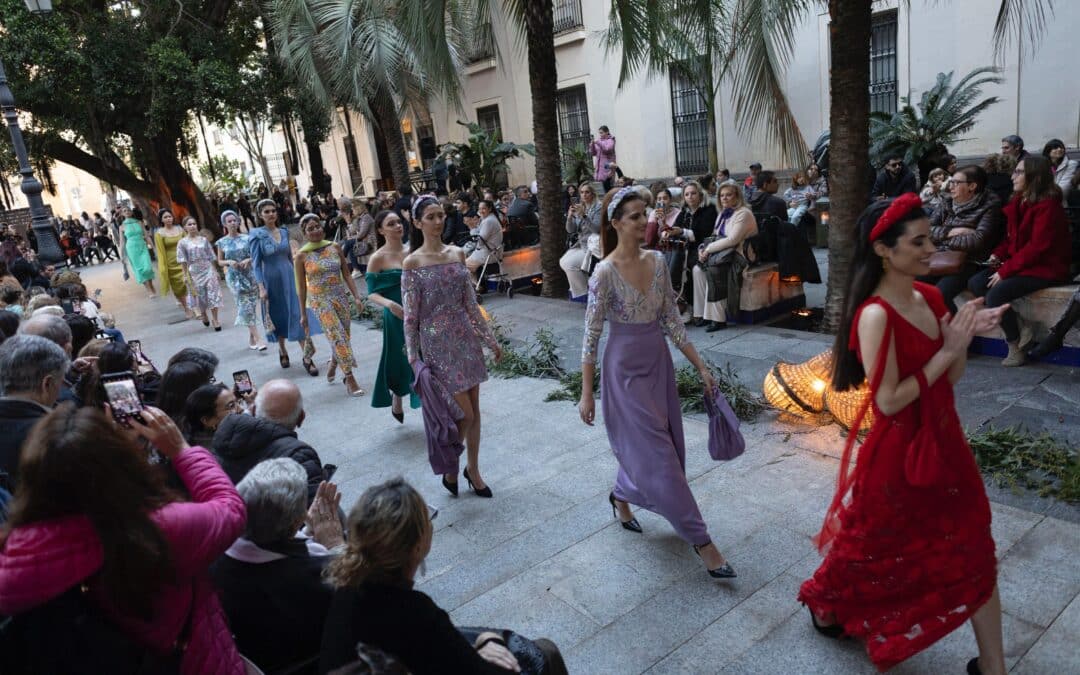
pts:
pixel 900 207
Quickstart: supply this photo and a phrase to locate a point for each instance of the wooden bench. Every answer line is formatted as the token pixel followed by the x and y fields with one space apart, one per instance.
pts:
pixel 1040 310
pixel 764 295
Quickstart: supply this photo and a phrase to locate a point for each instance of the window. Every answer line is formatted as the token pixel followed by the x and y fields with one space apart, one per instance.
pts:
pixel 883 60
pixel 690 126
pixel 567 15
pixel 573 117
pixel 488 119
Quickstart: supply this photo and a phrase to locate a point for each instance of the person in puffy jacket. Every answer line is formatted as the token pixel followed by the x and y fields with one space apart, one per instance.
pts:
pixel 92 511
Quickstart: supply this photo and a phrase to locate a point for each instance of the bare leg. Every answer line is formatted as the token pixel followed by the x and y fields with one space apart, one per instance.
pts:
pixel 281 346
pixel 464 425
pixel 987 626
pixel 396 405
pixel 214 314
pixel 149 285
pixel 472 440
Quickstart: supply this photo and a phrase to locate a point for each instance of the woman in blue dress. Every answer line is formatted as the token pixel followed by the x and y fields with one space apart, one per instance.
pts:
pixel 272 263
pixel 234 256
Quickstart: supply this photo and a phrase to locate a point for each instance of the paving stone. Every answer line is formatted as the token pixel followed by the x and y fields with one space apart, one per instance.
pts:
pixel 1056 650
pixel 1033 593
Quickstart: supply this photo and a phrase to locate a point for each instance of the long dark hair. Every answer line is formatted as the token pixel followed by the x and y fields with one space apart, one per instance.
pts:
pixel 609 238
pixel 200 403
pixel 1039 180
pixel 866 273
pixel 177 383
pixel 416 234
pixel 75 462
pixel 380 240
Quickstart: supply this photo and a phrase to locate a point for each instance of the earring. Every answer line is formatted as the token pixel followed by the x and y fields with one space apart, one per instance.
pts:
pixel 885 264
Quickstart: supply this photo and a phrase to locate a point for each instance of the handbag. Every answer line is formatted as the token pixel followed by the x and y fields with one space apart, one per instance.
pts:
pixel 944 262
pixel 726 442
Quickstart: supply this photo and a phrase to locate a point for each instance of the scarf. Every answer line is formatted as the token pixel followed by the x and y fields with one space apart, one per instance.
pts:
pixel 307 248
pixel 721 223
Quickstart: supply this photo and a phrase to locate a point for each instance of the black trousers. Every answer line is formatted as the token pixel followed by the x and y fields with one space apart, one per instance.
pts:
pixel 952 285
pixel 1005 291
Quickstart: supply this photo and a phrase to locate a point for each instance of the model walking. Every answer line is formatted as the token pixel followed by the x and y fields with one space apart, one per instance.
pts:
pixel 197 259
pixel 169 268
pixel 234 255
pixel 324 282
pixel 908 551
pixel 443 325
pixel 631 288
pixel 271 262
pixel 393 379
pixel 135 243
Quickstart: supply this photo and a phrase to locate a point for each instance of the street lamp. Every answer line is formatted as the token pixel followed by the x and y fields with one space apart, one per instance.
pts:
pixel 48 247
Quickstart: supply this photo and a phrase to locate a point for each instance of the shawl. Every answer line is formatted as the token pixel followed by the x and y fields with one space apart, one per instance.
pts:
pixel 306 248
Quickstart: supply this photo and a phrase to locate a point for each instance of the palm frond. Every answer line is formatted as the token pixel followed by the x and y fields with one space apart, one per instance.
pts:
pixel 1019 22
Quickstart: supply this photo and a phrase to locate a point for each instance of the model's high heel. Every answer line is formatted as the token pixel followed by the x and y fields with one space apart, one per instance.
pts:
pixel 725 571
pixel 450 487
pixel 309 366
pixel 973 667
pixel 631 524
pixel 331 370
pixel 399 416
pixel 352 387
pixel 484 492
pixel 834 630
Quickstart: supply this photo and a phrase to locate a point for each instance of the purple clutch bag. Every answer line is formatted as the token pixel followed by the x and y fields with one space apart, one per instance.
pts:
pixel 725 441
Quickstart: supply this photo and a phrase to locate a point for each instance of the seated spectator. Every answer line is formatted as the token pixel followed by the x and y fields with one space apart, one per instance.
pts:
pixel 765 200
pixel 204 357
pixel 523 210
pixel 894 179
pixel 708 183
pixel 661 221
pixel 32 372
pixel 569 197
pixel 817 181
pixel 242 441
pixel 1013 146
pixel 12 299
pixel 723 177
pixel 582 224
pixel 143 556
pixel 999 170
pixel 271 579
pixel 1072 195
pixel 56 330
pixel 799 197
pixel 970 220
pixel 389 535
pixel 750 182
pixel 82 331
pixel 41 300
pixel 177 383
pixel 9 323
pixel 1062 167
pixel 1035 252
pixel 934 191
pixel 204 411
pixel 713 279
pixel 456 232
pixel 490 242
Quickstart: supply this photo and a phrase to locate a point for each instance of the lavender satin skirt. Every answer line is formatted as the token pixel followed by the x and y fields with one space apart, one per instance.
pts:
pixel 644 426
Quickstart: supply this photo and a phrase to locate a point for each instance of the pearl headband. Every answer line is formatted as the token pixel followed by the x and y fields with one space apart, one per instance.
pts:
pixel 619 196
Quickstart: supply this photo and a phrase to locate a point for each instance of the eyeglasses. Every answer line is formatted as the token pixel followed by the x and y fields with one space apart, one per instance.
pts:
pixel 894 165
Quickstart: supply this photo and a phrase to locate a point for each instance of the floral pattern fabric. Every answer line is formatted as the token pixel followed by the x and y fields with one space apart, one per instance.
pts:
pixel 199 256
pixel 241 281
pixel 328 298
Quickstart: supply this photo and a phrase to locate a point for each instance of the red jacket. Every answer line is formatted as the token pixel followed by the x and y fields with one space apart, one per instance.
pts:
pixel 1037 242
pixel 40 561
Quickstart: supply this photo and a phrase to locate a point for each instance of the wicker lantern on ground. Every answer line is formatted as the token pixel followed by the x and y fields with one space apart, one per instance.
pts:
pixel 845 406
pixel 799 388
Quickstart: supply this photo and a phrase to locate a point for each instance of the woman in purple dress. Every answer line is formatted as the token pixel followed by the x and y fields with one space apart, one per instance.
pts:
pixel 444 327
pixel 631 288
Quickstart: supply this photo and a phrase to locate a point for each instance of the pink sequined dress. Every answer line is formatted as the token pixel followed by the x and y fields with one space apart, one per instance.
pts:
pixel 443 324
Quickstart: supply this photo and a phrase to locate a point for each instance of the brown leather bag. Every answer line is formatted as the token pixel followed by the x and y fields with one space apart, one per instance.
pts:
pixel 946 261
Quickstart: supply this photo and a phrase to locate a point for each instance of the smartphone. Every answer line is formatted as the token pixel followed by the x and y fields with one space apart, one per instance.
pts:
pixel 243 382
pixel 122 395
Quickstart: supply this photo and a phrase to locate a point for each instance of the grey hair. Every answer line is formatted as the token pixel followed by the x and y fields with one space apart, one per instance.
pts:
pixel 288 419
pixel 50 327
pixel 275 493
pixel 26 360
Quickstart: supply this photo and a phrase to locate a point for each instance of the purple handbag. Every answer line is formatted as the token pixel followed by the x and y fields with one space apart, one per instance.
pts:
pixel 725 441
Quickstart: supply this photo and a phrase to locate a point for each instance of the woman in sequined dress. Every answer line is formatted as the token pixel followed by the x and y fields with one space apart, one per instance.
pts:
pixel 444 327
pixel 196 258
pixel 641 408
pixel 324 284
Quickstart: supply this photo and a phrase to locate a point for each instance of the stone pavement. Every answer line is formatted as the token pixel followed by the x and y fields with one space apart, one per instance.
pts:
pixel 546 558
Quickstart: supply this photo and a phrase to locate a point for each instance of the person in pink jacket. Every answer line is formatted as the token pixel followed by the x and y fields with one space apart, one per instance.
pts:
pixel 603 150
pixel 92 511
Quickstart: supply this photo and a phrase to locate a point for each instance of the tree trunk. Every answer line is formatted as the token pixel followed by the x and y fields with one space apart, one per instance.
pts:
pixel 849 148
pixel 540 38
pixel 387 119
pixel 314 154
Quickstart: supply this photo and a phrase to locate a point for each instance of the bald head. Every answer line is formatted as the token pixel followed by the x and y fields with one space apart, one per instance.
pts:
pixel 280 401
pixel 52 328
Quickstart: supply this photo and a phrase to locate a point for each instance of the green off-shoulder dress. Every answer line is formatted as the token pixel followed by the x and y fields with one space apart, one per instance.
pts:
pixel 394 375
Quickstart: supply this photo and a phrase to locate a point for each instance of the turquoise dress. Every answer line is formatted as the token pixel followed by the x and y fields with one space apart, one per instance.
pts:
pixel 394 375
pixel 138 255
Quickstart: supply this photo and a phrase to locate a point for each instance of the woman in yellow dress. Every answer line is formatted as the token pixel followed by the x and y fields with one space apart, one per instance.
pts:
pixel 170 271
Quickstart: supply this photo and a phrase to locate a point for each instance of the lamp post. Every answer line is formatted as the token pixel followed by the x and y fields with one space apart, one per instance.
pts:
pixel 49 251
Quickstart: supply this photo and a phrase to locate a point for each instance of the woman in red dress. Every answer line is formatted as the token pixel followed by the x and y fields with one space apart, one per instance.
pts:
pixel 907 544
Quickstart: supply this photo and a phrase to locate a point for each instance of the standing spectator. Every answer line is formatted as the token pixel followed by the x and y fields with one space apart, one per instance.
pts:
pixel 765 200
pixel 894 179
pixel 32 373
pixel 1062 167
pixel 1013 146
pixel 1035 252
pixel 603 151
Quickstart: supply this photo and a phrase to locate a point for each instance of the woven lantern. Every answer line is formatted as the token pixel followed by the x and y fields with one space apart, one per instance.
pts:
pixel 845 406
pixel 799 388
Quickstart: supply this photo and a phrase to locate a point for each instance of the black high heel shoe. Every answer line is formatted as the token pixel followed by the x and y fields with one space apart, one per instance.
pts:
pixel 399 416
pixel 631 524
pixel 450 487
pixel 973 667
pixel 834 631
pixel 725 571
pixel 486 492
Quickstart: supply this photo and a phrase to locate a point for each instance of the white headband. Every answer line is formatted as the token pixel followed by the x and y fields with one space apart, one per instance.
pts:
pixel 619 196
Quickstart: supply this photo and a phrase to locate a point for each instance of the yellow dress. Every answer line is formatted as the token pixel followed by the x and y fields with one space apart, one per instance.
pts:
pixel 169 270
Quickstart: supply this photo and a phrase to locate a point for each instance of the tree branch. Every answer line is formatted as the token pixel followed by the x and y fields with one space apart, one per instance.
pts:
pixel 122 177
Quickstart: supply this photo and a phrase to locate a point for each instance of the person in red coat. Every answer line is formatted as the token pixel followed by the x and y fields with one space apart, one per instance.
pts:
pixel 1034 253
pixel 92 511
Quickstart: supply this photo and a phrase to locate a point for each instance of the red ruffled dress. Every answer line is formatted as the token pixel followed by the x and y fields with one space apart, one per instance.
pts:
pixel 907 544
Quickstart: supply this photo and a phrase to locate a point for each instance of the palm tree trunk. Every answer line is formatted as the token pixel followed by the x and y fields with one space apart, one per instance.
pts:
pixel 387 118
pixel 540 38
pixel 849 149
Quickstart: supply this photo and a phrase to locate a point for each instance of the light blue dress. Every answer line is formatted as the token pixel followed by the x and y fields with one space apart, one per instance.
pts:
pixel 272 263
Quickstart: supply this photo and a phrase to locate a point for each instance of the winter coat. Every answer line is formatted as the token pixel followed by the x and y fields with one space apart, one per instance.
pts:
pixel 1063 173
pixel 769 204
pixel 42 560
pixel 982 214
pixel 1037 242
pixel 603 152
pixel 894 186
pixel 242 441
pixel 17 416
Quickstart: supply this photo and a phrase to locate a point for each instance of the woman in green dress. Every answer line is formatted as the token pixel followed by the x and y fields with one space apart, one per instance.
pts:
pixel 135 243
pixel 393 379
pixel 169 268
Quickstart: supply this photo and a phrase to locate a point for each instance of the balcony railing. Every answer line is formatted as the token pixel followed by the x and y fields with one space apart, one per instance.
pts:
pixel 567 16
pixel 484 48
